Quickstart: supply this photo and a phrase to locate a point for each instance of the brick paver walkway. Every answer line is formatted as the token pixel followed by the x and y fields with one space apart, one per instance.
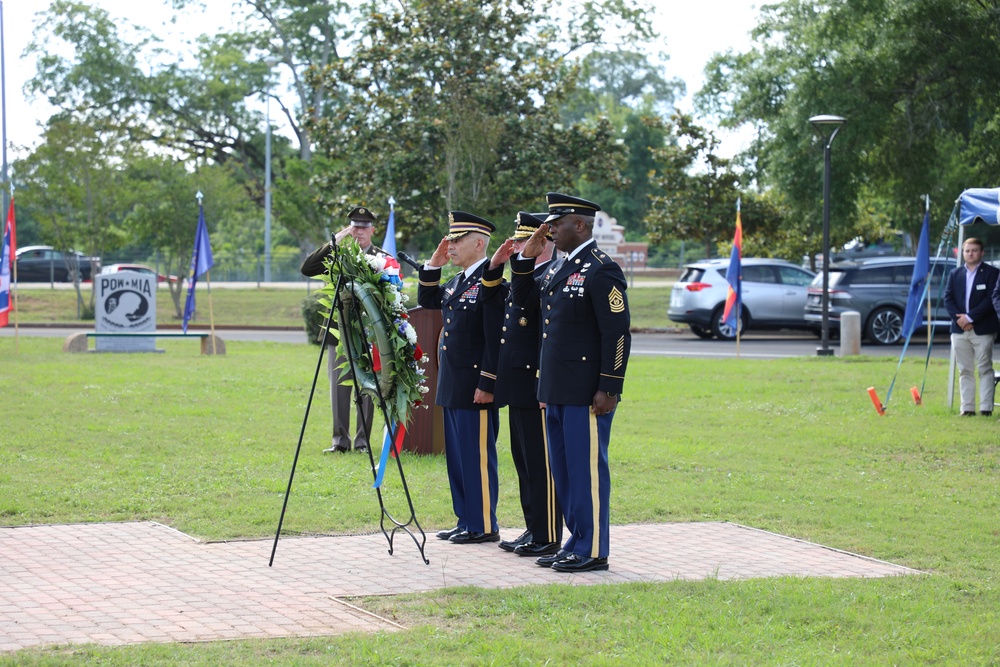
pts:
pixel 120 583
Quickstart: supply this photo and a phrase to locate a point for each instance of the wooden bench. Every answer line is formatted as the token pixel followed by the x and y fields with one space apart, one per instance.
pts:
pixel 210 344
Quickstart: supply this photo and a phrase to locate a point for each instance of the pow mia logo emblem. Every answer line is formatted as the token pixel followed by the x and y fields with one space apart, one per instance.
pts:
pixel 616 301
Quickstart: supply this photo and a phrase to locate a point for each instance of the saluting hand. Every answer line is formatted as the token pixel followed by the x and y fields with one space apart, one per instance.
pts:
pixel 502 254
pixel 440 257
pixel 536 244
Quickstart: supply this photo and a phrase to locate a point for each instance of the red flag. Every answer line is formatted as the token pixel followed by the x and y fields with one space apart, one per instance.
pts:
pixel 8 261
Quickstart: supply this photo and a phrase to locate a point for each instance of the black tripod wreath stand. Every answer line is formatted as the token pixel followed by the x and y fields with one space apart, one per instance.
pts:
pixel 351 317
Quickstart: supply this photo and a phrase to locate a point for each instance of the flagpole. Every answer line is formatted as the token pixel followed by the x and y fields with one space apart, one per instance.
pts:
pixel 211 317
pixel 739 297
pixel 930 325
pixel 208 287
pixel 13 265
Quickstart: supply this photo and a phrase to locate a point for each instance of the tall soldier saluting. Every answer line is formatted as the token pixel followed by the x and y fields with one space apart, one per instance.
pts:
pixel 466 376
pixel 584 352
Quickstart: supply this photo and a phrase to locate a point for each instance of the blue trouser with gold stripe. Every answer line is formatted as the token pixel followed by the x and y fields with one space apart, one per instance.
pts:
pixel 470 446
pixel 578 452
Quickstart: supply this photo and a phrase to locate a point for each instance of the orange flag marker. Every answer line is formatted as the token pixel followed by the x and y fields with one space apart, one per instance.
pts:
pixel 879 408
pixel 916 395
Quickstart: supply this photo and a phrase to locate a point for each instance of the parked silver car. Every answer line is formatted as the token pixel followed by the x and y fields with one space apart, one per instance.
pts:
pixel 877 288
pixel 774 296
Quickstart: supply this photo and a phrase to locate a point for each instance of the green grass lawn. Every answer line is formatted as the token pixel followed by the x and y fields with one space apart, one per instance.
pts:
pixel 273 306
pixel 793 446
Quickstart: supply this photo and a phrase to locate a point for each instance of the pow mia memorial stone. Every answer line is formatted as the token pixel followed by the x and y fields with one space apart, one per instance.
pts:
pixel 125 303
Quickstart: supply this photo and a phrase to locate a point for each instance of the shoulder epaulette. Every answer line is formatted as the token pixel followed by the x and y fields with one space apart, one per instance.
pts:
pixel 600 255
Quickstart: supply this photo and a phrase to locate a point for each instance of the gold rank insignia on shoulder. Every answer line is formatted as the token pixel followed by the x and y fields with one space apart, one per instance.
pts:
pixel 616 300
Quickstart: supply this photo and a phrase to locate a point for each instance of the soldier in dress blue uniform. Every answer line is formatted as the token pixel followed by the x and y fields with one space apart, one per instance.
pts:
pixel 517 388
pixel 584 352
pixel 466 376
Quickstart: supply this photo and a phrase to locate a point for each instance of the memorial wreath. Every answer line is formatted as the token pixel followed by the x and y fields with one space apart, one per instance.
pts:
pixel 369 287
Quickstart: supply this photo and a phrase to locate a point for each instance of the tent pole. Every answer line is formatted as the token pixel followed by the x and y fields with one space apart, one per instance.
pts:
pixel 951 354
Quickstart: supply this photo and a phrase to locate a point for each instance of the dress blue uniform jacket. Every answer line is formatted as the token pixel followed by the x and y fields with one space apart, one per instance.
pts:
pixel 520 335
pixel 585 314
pixel 467 347
pixel 981 310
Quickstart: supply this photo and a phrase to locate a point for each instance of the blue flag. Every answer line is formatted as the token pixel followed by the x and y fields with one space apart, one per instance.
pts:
pixel 201 261
pixel 389 244
pixel 918 284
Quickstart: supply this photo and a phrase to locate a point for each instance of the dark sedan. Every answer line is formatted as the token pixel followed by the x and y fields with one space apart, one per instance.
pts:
pixel 42 264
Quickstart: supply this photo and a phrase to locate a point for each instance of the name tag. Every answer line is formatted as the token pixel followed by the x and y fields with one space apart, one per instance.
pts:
pixel 980 287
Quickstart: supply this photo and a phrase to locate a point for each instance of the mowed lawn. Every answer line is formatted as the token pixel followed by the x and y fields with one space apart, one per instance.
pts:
pixel 205 444
pixel 277 306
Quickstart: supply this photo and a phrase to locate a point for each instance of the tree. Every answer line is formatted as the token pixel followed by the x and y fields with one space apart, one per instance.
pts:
pixel 163 212
pixel 444 109
pixel 917 80
pixel 697 189
pixel 631 90
pixel 72 186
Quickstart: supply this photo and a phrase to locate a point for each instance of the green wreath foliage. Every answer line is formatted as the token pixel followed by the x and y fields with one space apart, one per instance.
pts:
pixel 383 328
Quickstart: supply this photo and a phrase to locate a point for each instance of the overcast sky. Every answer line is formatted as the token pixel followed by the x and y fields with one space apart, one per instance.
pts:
pixel 692 32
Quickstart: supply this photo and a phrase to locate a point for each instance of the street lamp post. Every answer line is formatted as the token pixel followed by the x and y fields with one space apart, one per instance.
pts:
pixel 271 62
pixel 827 127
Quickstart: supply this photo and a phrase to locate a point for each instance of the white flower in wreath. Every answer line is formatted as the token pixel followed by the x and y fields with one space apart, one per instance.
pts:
pixel 397 301
pixel 410 333
pixel 377 262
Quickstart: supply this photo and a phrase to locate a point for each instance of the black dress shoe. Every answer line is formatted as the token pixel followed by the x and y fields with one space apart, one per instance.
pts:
pixel 537 549
pixel 577 563
pixel 510 545
pixel 547 561
pixel 447 534
pixel 966 413
pixel 987 413
pixel 469 537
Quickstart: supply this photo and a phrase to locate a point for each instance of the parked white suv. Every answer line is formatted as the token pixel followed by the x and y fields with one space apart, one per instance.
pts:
pixel 774 296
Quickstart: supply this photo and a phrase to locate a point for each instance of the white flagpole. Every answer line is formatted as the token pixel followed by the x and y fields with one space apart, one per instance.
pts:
pixel 930 272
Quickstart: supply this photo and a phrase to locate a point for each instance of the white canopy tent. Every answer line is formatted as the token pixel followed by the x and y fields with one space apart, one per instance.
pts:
pixel 974 205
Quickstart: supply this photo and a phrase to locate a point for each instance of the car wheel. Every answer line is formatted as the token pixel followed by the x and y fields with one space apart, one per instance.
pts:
pixel 885 326
pixel 701 332
pixel 723 332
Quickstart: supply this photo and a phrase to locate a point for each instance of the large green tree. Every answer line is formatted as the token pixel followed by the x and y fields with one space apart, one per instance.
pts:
pixel 630 89
pixel 72 186
pixel 918 81
pixel 455 104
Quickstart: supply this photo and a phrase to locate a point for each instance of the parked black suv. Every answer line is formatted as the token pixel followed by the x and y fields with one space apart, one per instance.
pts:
pixel 877 288
pixel 42 263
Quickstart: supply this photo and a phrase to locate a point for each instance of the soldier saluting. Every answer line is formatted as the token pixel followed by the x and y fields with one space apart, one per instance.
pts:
pixel 582 360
